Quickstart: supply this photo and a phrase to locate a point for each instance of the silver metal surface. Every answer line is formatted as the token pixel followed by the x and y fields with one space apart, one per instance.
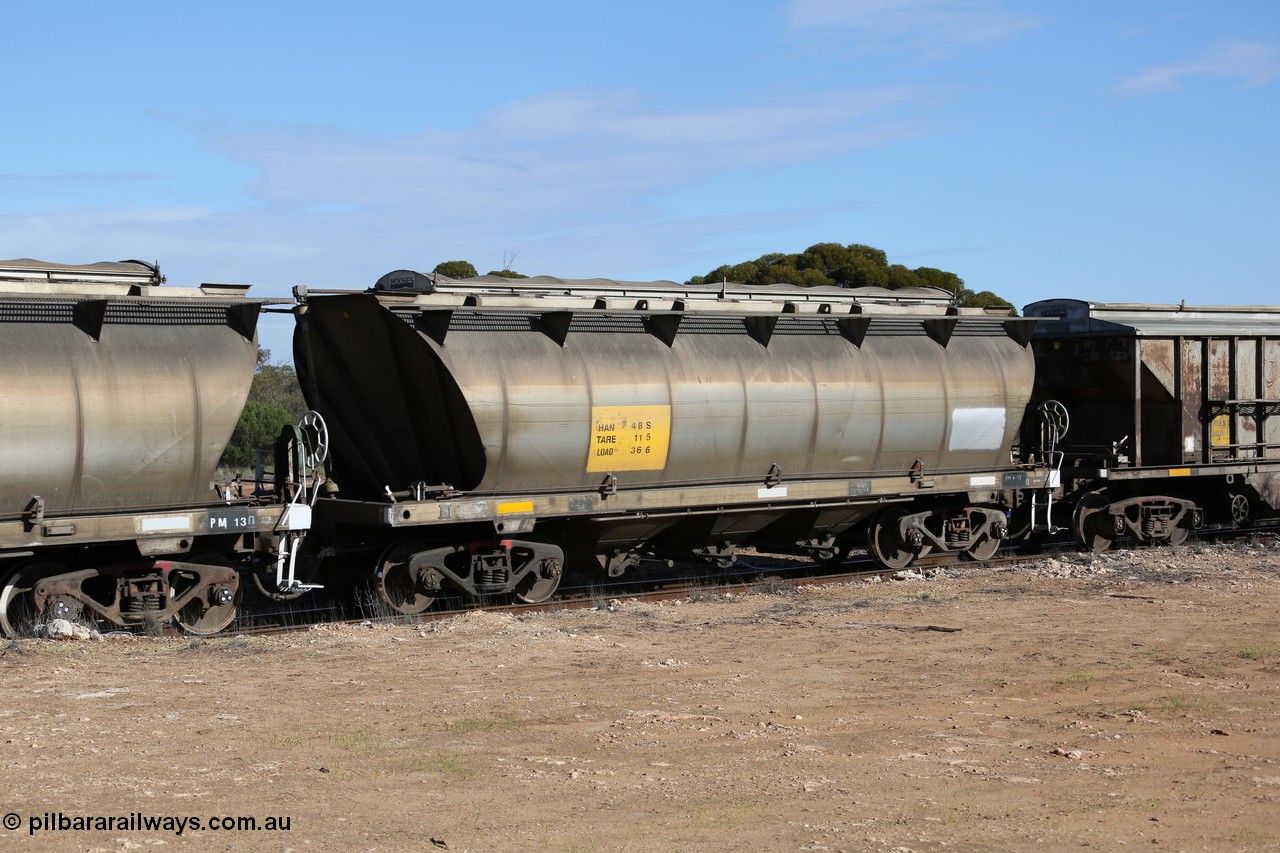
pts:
pixel 528 397
pixel 116 394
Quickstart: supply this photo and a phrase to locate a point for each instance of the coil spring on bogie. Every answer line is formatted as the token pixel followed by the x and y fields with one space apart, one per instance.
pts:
pixel 1156 522
pixel 142 596
pixel 491 570
pixel 957 535
pixel 142 604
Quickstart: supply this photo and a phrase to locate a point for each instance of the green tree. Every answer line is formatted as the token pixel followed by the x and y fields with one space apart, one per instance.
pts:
pixel 900 276
pixel 949 281
pixel 259 427
pixel 275 399
pixel 456 269
pixel 465 269
pixel 854 265
pixel 277 385
pixel 987 299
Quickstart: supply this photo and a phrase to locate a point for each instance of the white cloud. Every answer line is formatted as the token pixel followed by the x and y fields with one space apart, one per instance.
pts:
pixel 576 182
pixel 560 150
pixel 928 27
pixel 1248 62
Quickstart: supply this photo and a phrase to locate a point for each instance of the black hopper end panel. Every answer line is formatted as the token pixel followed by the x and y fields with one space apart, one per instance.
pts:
pixel 395 414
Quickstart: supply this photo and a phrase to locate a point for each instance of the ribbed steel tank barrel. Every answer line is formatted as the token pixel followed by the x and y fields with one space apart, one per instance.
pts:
pixel 119 392
pixel 493 386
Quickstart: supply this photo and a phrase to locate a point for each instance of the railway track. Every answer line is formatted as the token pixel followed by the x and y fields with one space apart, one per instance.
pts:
pixel 752 574
pixel 748 578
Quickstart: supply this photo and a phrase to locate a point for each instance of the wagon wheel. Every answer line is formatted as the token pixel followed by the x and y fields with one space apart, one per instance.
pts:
pixel 1091 524
pixel 885 544
pixel 395 586
pixel 984 550
pixel 18 616
pixel 540 584
pixel 1180 531
pixel 200 617
pixel 537 589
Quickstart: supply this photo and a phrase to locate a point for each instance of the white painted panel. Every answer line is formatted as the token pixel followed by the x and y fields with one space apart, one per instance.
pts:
pixel 976 429
pixel 155 524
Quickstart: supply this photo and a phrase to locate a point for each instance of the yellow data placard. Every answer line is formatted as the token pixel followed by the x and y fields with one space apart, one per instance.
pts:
pixel 629 438
pixel 1220 431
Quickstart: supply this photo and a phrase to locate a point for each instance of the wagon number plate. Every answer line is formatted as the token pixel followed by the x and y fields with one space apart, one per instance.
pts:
pixel 233 521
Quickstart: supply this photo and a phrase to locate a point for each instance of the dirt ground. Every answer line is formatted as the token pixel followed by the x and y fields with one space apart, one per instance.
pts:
pixel 1126 700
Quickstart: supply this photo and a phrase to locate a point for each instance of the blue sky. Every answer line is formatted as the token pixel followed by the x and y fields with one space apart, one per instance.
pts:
pixel 1118 151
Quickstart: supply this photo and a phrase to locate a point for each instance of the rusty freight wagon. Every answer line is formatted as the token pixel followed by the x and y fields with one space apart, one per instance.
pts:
pixel 1175 414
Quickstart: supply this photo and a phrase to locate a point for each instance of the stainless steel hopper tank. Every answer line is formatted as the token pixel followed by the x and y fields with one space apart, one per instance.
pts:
pixel 493 387
pixel 119 392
